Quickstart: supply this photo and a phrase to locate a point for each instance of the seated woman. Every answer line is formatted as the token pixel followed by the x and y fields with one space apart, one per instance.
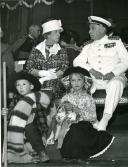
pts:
pixel 78 137
pixel 48 60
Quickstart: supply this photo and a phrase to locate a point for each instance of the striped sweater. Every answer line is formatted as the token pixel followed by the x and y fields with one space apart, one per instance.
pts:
pixel 21 115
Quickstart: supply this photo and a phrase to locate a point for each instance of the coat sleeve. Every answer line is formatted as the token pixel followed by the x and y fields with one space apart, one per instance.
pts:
pixel 82 59
pixel 21 112
pixel 122 53
pixel 31 62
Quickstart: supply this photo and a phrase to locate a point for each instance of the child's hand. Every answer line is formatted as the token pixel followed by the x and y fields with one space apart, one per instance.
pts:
pixel 72 116
pixel 49 120
pixel 76 110
pixel 4 111
pixel 68 106
pixel 60 117
pixel 44 141
pixel 50 139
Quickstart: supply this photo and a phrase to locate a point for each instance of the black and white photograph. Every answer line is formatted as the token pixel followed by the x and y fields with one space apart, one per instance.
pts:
pixel 64 83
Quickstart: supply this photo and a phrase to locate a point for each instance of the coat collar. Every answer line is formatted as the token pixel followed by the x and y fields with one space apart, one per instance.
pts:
pixel 53 50
pixel 102 40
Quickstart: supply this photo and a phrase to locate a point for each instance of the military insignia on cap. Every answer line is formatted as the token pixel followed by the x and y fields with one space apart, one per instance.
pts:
pixel 110 45
pixel 114 37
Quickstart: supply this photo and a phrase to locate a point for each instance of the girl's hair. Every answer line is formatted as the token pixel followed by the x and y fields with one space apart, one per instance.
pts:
pixel 81 75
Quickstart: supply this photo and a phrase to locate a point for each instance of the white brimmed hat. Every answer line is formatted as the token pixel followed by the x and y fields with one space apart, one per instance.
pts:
pixel 52 25
pixel 99 20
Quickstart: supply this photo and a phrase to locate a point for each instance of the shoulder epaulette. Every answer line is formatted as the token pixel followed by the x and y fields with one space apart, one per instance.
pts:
pixel 114 37
pixel 88 42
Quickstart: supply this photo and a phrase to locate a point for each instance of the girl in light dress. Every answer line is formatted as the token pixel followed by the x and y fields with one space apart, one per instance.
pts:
pixel 76 131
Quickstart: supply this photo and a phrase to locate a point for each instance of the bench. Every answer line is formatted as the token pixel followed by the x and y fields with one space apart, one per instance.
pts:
pixel 100 95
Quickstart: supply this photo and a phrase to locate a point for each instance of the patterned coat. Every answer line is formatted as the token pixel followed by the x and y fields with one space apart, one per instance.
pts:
pixel 40 59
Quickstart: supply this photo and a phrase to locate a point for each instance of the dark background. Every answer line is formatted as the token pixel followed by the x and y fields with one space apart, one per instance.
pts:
pixel 74 16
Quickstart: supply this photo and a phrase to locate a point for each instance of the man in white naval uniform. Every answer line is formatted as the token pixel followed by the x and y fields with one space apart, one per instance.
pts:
pixel 106 59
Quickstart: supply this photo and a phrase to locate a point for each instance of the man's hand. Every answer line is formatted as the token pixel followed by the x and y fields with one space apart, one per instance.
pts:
pixel 96 74
pixel 108 76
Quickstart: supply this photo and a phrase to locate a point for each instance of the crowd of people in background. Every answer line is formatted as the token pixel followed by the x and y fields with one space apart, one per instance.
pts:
pixel 51 80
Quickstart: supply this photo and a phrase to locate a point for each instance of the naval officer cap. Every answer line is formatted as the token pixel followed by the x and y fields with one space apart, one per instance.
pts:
pixel 99 20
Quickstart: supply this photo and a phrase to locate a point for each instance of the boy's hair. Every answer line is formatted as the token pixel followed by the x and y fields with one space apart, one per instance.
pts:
pixel 29 77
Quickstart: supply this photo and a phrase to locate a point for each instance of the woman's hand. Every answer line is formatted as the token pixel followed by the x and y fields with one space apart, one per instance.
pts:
pixel 51 73
pixel 59 74
pixel 47 75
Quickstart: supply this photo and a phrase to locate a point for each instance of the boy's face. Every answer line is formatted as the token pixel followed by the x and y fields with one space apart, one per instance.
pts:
pixel 77 82
pixel 23 87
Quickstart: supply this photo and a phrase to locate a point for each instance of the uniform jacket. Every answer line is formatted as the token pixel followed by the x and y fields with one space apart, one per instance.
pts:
pixel 105 55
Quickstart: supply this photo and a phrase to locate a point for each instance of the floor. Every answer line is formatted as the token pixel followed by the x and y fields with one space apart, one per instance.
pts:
pixel 117 157
pixel 103 163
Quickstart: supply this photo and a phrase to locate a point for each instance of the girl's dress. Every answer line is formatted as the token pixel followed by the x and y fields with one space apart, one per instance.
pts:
pixel 81 140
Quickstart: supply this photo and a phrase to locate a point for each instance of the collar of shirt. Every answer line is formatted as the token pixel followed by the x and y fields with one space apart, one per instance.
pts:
pixel 101 41
pixel 53 50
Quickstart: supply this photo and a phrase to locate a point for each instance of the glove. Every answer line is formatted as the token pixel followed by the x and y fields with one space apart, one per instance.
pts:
pixel 47 78
pixel 46 73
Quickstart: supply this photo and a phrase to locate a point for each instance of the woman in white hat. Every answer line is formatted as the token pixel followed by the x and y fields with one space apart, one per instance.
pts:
pixel 48 60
